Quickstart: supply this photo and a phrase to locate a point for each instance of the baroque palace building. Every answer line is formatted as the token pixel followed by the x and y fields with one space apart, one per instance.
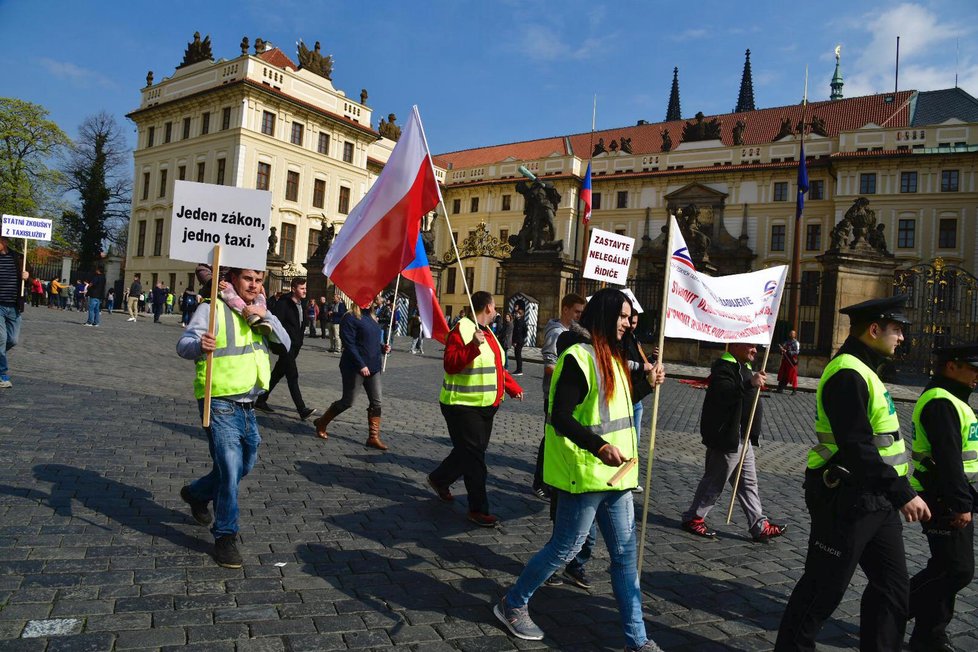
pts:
pixel 911 154
pixel 258 120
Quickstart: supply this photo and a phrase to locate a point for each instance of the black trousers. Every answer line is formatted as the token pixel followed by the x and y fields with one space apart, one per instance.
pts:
pixel 285 367
pixel 842 537
pixel 470 429
pixel 518 356
pixel 951 567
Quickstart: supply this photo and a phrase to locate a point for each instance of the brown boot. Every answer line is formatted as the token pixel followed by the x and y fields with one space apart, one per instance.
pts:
pixel 323 421
pixel 373 440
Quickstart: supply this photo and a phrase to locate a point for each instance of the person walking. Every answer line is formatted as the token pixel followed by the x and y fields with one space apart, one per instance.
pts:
pixel 336 312
pixel 945 454
pixel 416 331
pixel 240 373
pixel 323 317
pixel 855 488
pixel 361 362
pixel 12 276
pixel 475 380
pixel 723 424
pixel 158 299
pixel 571 307
pixel 168 302
pixel 312 315
pixel 135 291
pixel 519 339
pixel 37 292
pixel 110 300
pixel 290 314
pixel 506 337
pixel 95 294
pixel 384 313
pixel 589 435
pixel 788 371
pixel 54 293
pixel 188 303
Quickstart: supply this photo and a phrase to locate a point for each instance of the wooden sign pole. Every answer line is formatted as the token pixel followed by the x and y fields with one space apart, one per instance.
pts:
pixel 215 282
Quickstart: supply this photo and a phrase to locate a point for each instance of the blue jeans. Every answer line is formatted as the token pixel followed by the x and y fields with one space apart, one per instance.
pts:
pixel 637 409
pixel 110 305
pixel 9 333
pixel 94 310
pixel 233 441
pixel 615 515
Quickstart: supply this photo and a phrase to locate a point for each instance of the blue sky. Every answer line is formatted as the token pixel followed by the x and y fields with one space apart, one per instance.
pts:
pixel 500 71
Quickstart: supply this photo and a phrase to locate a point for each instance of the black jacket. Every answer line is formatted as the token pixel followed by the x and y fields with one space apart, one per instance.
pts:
pixel 726 408
pixel 946 483
pixel 288 312
pixel 97 288
pixel 519 331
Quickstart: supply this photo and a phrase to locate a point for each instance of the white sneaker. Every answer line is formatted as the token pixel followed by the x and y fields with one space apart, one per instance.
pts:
pixel 131 319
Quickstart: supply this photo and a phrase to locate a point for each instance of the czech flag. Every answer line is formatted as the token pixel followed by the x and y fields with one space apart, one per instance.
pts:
pixel 433 322
pixel 377 239
pixel 802 184
pixel 586 194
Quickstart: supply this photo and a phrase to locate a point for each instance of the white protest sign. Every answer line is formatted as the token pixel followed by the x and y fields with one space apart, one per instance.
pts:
pixel 735 308
pixel 205 215
pixel 608 257
pixel 32 228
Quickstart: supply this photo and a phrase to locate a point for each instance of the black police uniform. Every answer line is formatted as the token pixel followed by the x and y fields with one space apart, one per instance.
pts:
pixel 947 491
pixel 857 522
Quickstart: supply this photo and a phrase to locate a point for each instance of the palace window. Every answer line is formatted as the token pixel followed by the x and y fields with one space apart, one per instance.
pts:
pixel 949 180
pixel 264 176
pixel 141 239
pixel 503 236
pixel 205 123
pixel 313 242
pixel 221 165
pixel 947 233
pixel 343 205
pixel 145 185
pixel 777 237
pixel 906 233
pixel 456 206
pixel 867 183
pixel 319 193
pixel 507 202
pixel 186 129
pixel 163 173
pixel 450 281
pixel 621 200
pixel 595 201
pixel 158 238
pixel 348 152
pixel 182 172
pixel 816 189
pixel 470 277
pixel 200 172
pixel 268 123
pixel 226 118
pixel 323 144
pixel 908 182
pixel 292 186
pixel 297 130
pixel 167 132
pixel 150 136
pixel 781 191
pixel 813 237
pixel 288 242
pixel 474 205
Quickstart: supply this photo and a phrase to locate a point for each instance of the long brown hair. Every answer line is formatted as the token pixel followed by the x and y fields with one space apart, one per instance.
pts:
pixel 600 317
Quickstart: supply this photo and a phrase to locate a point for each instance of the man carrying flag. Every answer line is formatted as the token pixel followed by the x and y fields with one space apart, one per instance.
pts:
pixel 379 237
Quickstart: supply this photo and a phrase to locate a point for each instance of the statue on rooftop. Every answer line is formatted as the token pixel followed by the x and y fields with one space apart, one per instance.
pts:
pixel 738 132
pixel 198 50
pixel 701 129
pixel 626 145
pixel 666 140
pixel 363 96
pixel 599 148
pixel 388 129
pixel 244 45
pixel 314 61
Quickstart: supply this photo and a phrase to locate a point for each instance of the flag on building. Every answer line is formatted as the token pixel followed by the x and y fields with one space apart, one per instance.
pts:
pixel 802 184
pixel 378 238
pixel 735 308
pixel 586 194
pixel 433 322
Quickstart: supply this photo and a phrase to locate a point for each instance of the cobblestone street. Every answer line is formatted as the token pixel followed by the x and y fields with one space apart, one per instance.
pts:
pixel 347 547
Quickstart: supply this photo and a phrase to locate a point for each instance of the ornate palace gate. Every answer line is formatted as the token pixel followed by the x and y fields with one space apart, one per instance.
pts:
pixel 944 308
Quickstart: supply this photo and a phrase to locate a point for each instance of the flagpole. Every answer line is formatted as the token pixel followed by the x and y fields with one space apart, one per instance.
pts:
pixel 795 294
pixel 390 327
pixel 655 393
pixel 750 421
pixel 448 222
pixel 577 223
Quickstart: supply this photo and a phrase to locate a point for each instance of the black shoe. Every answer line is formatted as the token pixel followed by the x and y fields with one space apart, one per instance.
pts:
pixel 553 580
pixel 304 413
pixel 226 551
pixel 260 404
pixel 198 508
pixel 577 576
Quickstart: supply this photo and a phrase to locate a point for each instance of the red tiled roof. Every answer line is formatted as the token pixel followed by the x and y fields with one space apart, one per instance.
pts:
pixel 527 150
pixel 275 57
pixel 762 126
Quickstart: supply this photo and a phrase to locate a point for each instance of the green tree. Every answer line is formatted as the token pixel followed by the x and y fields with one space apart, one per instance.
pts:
pixel 97 170
pixel 28 141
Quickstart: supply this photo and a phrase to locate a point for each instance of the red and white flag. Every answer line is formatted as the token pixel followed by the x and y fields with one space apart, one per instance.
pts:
pixel 379 237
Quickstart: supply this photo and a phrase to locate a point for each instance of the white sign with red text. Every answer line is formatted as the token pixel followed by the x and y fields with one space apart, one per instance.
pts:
pixel 608 257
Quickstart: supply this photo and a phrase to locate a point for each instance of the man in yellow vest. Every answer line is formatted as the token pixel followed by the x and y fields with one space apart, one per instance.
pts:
pixel 855 485
pixel 475 380
pixel 945 455
pixel 240 374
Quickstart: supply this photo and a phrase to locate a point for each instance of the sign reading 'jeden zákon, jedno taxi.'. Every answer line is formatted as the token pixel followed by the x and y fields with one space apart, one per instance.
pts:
pixel 608 257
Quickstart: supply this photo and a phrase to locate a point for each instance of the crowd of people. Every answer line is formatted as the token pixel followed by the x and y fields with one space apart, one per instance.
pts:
pixel 861 475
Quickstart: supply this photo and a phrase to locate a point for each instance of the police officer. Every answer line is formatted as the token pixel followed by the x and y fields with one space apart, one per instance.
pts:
pixel 945 455
pixel 855 484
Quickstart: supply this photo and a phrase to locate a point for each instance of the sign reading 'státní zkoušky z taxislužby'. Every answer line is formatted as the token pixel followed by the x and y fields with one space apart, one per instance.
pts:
pixel 205 215
pixel 32 228
pixel 608 257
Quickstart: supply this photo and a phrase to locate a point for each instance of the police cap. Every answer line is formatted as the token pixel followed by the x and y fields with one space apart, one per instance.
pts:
pixel 959 353
pixel 886 309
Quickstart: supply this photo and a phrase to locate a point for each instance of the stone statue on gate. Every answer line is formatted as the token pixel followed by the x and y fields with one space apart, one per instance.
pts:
pixel 841 232
pixel 326 236
pixel 863 220
pixel 272 241
pixel 689 224
pixel 538 232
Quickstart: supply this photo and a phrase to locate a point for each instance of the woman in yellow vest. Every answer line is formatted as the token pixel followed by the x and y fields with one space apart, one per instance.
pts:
pixel 590 432
pixel 945 455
